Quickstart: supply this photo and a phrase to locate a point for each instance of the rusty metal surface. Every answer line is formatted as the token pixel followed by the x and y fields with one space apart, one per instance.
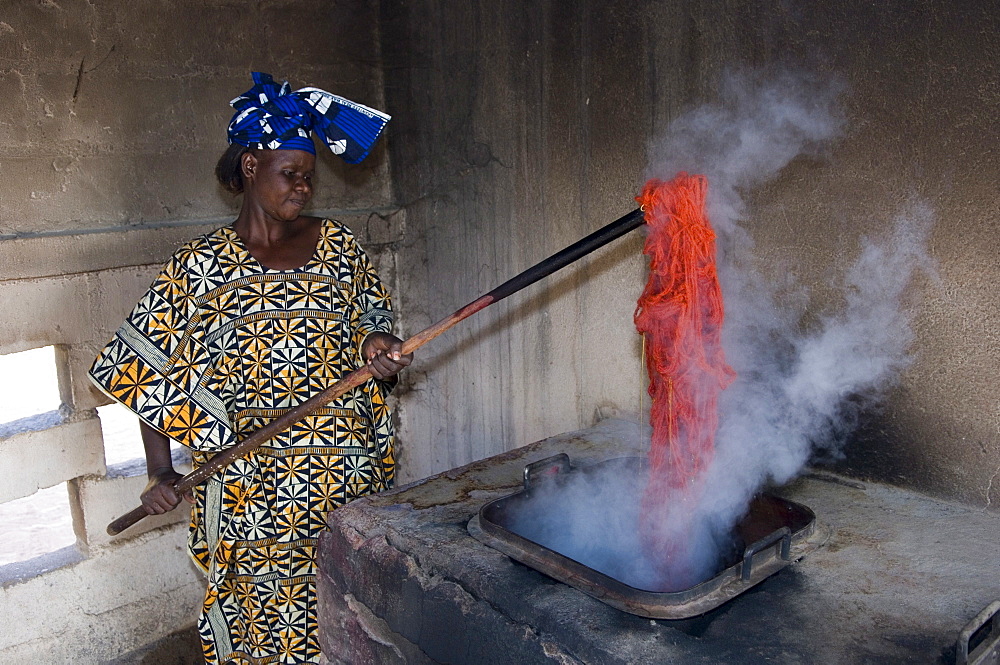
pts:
pixel 774 533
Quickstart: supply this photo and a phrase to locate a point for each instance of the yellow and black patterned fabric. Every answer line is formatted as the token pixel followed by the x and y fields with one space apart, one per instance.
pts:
pixel 219 346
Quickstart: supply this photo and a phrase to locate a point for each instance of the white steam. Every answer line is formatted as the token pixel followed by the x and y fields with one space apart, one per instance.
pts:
pixel 759 124
pixel 799 388
pixel 799 391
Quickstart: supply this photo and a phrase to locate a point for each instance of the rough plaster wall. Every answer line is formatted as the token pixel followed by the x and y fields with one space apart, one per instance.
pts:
pixel 517 130
pixel 923 111
pixel 114 113
pixel 526 127
pixel 514 149
pixel 112 116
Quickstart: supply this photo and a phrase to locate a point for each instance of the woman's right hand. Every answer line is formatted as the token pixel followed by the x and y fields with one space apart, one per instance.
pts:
pixel 159 496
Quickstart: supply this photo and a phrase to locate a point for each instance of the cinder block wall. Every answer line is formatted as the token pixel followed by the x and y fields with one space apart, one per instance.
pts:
pixel 113 115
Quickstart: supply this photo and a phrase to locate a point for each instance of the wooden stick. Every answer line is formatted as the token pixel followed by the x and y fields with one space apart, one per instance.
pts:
pixel 559 260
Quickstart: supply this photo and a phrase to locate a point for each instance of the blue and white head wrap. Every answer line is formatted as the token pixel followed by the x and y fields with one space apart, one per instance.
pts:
pixel 272 117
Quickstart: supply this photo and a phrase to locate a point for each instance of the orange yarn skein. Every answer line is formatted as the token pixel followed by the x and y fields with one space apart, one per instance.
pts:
pixel 680 312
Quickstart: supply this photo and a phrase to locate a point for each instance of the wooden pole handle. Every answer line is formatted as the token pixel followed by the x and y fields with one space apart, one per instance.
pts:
pixel 126 520
pixel 292 416
pixel 598 238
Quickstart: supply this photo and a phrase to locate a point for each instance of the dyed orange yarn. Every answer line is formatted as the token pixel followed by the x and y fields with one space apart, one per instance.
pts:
pixel 680 313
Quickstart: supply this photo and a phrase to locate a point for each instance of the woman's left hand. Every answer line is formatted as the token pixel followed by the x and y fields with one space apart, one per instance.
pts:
pixel 384 355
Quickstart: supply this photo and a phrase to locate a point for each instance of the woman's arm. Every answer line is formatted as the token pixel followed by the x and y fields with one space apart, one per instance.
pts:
pixel 159 496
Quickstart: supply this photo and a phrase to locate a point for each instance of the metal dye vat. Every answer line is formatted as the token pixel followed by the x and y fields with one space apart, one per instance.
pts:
pixel 773 533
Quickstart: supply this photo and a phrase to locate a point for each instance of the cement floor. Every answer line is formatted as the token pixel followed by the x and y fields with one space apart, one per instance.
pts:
pixel 181 648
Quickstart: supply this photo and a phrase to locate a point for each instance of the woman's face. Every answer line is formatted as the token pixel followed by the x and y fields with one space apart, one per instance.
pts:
pixel 279 181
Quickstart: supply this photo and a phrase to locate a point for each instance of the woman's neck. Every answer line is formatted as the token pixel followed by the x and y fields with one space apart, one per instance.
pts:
pixel 279 245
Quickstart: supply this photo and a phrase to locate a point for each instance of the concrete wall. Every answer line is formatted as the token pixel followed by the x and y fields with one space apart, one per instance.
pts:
pixel 112 116
pixel 524 133
pixel 526 127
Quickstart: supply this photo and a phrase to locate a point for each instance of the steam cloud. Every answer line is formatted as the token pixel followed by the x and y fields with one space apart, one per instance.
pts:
pixel 799 388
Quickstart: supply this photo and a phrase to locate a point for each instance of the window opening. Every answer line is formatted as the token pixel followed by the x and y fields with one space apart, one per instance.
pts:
pixel 35 525
pixel 29 400
pixel 122 440
pixel 29 387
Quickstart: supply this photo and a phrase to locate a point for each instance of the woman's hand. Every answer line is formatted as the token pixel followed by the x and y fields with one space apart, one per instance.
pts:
pixel 383 353
pixel 159 496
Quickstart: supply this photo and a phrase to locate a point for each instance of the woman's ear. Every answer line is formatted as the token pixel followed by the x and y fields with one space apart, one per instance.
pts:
pixel 248 165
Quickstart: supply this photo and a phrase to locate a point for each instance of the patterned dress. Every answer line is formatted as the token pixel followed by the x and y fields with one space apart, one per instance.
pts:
pixel 218 347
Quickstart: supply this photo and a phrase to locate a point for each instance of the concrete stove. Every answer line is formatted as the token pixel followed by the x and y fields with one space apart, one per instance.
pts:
pixel 402 581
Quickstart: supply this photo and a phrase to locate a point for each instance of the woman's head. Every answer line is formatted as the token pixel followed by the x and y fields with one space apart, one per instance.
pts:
pixel 278 182
pixel 227 170
pixel 272 119
pixel 271 116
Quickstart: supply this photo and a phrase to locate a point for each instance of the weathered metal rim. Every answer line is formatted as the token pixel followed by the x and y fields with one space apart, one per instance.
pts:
pixel 697 600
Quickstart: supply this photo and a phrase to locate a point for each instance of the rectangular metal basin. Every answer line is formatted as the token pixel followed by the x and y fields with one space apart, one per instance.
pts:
pixel 773 533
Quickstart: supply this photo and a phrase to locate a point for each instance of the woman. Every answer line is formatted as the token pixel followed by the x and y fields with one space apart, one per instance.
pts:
pixel 242 324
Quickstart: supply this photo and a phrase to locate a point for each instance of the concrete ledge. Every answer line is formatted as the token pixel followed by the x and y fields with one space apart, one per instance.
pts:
pixel 384 600
pixel 21 571
pixel 99 608
pixel 44 312
pixel 415 616
pixel 69 310
pixel 33 460
pixel 53 254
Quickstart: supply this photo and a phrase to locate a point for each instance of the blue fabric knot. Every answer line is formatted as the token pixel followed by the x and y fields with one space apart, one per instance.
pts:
pixel 273 117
